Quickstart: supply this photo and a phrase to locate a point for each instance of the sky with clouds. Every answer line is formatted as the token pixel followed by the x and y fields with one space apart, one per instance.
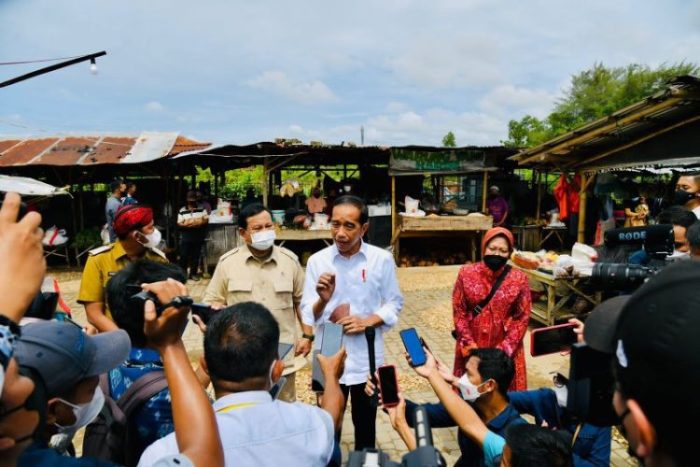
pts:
pixel 407 71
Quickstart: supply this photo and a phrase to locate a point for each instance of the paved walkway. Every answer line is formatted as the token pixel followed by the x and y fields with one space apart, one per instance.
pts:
pixel 427 293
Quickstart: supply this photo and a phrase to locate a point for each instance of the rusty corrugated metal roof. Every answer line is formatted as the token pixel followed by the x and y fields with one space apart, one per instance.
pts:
pixel 86 150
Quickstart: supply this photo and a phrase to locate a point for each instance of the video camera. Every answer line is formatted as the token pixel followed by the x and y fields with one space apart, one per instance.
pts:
pixel 425 454
pixel 656 240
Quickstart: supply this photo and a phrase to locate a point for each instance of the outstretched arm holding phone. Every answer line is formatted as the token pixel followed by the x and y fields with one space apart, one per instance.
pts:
pixel 195 424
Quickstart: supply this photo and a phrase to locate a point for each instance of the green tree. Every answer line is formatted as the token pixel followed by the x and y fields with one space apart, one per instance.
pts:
pixel 593 94
pixel 449 140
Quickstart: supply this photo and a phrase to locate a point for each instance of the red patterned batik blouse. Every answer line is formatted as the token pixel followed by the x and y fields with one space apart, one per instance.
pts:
pixel 501 324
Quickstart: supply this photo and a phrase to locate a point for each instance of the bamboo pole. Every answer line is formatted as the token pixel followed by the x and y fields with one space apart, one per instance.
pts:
pixel 583 197
pixel 538 180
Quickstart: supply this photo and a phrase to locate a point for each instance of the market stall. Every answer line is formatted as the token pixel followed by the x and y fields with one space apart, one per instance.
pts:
pixel 451 216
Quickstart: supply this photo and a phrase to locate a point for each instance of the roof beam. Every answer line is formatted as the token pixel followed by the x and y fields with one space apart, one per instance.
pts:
pixel 577 164
pixel 603 129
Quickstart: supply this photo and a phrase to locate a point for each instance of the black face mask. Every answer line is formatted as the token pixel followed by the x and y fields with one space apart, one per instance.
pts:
pixel 680 197
pixel 495 262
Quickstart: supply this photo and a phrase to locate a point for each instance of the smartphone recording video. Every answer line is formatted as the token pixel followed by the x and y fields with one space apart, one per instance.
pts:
pixel 414 346
pixel 388 385
pixel 552 339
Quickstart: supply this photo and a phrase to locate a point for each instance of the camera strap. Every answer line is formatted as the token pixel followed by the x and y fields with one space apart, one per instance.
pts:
pixel 482 304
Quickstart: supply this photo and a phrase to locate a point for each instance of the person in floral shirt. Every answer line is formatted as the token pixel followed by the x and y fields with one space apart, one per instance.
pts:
pixel 502 322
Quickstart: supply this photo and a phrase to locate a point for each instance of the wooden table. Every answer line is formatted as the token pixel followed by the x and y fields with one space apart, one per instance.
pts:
pixel 442 226
pixel 304 235
pixel 558 292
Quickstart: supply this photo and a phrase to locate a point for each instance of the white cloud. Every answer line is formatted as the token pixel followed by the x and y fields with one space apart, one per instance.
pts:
pixel 438 62
pixel 155 106
pixel 277 82
pixel 508 100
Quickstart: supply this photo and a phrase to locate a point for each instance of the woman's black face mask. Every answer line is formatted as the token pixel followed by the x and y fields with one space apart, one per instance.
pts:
pixel 495 262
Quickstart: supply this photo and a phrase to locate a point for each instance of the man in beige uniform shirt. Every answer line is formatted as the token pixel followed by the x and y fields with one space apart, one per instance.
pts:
pixel 264 273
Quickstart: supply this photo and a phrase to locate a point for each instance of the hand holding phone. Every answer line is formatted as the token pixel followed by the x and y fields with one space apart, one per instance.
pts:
pixel 414 346
pixel 552 339
pixel 331 342
pixel 388 385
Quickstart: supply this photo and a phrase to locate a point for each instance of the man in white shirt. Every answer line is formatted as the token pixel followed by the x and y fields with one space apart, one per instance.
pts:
pixel 240 356
pixel 687 193
pixel 363 277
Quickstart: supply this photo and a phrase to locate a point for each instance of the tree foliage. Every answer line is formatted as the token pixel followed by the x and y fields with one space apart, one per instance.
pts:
pixel 449 140
pixel 593 94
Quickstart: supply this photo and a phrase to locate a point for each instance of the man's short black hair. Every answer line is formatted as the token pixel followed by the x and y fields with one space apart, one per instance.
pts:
pixel 127 314
pixel 677 215
pixel 115 185
pixel 536 446
pixel 495 364
pixel 250 211
pixel 693 236
pixel 241 343
pixel 354 201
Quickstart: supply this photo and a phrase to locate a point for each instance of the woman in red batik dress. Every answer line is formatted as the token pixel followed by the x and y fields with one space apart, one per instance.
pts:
pixel 503 321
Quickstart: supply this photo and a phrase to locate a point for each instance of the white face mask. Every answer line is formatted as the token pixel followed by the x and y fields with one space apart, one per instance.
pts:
pixel 347 188
pixel 153 238
pixel 84 413
pixel 678 255
pixel 263 240
pixel 470 391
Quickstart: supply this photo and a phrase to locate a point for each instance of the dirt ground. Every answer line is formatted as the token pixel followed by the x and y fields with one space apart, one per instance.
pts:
pixel 427 293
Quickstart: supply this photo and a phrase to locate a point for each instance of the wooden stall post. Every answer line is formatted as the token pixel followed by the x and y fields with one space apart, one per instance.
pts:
pixel 538 180
pixel 585 182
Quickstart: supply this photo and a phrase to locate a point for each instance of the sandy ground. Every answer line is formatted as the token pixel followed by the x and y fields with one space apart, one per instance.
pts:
pixel 427 292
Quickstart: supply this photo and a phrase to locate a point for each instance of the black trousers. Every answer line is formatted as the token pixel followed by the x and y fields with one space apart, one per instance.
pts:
pixel 190 251
pixel 364 415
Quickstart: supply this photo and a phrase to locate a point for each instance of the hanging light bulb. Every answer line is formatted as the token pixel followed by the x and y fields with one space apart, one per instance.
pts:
pixel 93 66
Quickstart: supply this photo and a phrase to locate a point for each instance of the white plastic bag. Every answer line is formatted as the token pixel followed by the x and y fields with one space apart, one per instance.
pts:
pixel 54 237
pixel 104 235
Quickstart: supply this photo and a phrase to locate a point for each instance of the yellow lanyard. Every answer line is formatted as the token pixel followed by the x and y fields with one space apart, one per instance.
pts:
pixel 232 407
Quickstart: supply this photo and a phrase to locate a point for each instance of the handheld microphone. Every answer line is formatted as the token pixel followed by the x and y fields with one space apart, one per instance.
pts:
pixel 369 335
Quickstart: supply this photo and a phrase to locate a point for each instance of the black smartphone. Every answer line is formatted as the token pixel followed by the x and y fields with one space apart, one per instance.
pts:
pixel 414 346
pixel 388 385
pixel 205 312
pixel 552 339
pixel 331 341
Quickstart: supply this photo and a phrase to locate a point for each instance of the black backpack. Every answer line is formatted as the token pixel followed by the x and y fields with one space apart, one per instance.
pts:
pixel 113 436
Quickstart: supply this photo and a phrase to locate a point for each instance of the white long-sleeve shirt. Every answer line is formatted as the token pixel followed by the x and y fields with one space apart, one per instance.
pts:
pixel 367 281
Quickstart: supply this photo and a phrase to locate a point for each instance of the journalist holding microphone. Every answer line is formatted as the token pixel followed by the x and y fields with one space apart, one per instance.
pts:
pixel 353 284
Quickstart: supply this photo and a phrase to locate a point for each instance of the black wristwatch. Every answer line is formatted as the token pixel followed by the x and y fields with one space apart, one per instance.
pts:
pixel 310 337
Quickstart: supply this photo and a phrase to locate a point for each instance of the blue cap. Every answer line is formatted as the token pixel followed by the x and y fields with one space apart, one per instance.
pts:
pixel 64 355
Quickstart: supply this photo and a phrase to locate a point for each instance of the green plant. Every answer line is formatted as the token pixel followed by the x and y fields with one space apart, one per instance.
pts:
pixel 87 238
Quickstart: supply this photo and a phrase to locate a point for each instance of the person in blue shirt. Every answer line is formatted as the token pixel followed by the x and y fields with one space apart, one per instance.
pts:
pixel 591 443
pixel 487 371
pixel 154 419
pixel 520 445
